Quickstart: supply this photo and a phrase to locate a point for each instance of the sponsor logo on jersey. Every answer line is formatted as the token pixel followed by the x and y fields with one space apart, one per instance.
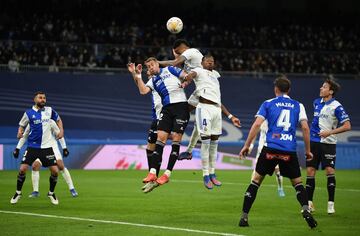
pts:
pixel 39 121
pixel 286 137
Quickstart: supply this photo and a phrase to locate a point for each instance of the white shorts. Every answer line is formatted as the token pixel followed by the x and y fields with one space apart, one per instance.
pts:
pixel 194 99
pixel 208 119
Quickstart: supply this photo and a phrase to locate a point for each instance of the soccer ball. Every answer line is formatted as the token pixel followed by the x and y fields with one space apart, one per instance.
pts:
pixel 174 25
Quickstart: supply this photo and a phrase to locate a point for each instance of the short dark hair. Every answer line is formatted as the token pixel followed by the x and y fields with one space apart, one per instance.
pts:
pixel 178 42
pixel 334 86
pixel 38 92
pixel 282 83
pixel 207 56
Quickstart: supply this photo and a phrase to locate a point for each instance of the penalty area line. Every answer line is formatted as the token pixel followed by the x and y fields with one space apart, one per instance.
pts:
pixel 120 223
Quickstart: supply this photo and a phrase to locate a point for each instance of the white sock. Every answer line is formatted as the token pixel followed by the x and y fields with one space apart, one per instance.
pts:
pixel 35 178
pixel 213 155
pixel 279 180
pixel 205 149
pixel 167 172
pixel 67 177
pixel 153 171
pixel 193 139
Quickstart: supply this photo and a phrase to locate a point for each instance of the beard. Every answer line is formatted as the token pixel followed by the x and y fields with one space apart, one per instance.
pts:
pixel 40 104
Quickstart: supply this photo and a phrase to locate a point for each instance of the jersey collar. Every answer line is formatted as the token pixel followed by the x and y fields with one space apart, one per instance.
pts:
pixel 284 95
pixel 328 102
pixel 35 109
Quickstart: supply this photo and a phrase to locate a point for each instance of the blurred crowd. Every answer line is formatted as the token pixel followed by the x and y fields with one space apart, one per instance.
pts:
pixel 76 42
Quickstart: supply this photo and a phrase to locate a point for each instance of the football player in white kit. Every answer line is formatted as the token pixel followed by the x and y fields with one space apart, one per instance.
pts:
pixel 208 115
pixel 35 175
pixel 191 58
pixel 261 142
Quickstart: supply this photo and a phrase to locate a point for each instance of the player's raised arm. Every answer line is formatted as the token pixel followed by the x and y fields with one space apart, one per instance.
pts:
pixel 177 62
pixel 136 74
pixel 236 122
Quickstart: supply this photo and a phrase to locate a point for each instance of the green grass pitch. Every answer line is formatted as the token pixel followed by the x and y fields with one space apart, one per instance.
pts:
pixel 182 203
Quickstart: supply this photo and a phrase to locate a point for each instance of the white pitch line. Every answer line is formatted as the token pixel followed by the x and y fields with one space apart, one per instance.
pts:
pixel 120 223
pixel 265 185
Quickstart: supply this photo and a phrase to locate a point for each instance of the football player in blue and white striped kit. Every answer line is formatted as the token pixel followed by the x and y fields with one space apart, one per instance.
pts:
pixel 330 118
pixel 283 115
pixel 174 115
pixel 156 110
pixel 40 143
pixel 35 173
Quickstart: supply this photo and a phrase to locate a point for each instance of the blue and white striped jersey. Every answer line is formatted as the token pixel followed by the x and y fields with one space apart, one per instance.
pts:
pixel 40 135
pixel 327 116
pixel 167 85
pixel 283 115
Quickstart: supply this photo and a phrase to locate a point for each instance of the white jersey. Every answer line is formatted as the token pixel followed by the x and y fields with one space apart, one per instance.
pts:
pixel 167 85
pixel 262 137
pixel 207 84
pixel 193 58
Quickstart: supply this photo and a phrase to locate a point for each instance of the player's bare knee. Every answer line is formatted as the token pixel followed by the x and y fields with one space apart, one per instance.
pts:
pixel 54 170
pixel 296 181
pixel 310 171
pixel 162 136
pixel 151 146
pixel 257 178
pixel 329 170
pixel 60 165
pixel 36 166
pixel 176 137
pixel 23 168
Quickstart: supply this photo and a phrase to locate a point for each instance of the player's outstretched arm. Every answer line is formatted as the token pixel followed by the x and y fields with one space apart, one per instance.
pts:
pixel 177 62
pixel 136 74
pixel 306 136
pixel 236 122
pixel 251 136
